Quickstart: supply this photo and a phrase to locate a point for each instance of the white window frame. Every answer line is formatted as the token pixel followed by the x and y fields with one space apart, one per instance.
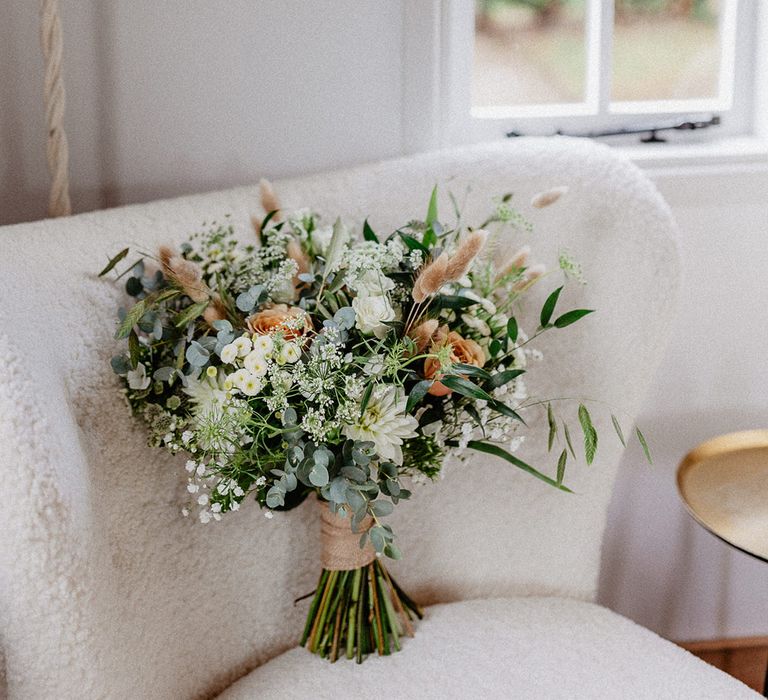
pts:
pixel 437 65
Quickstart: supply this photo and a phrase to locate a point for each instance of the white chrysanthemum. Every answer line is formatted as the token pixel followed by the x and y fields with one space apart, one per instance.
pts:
pixel 243 345
pixel 385 423
pixel 255 363
pixel 229 353
pixel 289 354
pixel 263 344
pixel 251 385
pixel 237 378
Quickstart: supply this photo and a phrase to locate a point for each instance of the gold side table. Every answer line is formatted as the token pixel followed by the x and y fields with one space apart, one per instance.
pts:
pixel 724 485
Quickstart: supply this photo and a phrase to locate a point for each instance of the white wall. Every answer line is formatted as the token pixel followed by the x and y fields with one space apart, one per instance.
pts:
pixel 660 568
pixel 183 96
pixel 166 98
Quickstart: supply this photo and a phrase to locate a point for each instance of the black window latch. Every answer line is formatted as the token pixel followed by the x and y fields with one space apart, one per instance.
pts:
pixel 650 134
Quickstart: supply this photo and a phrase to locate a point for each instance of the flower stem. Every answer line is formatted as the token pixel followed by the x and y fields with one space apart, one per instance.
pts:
pixel 356 612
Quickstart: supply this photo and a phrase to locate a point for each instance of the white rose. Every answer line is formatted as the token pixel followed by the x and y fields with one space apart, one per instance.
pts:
pixel 371 314
pixel 374 283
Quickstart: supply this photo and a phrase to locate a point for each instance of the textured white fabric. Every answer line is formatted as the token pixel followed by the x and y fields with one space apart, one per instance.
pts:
pixel 105 591
pixel 522 648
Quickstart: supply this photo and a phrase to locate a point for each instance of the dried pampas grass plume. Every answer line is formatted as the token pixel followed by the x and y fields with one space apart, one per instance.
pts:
pixel 444 269
pixel 188 276
pixel 269 200
pixel 519 259
pixel 467 251
pixel 430 279
pixel 531 275
pixel 165 254
pixel 215 311
pixel 295 252
pixel 544 199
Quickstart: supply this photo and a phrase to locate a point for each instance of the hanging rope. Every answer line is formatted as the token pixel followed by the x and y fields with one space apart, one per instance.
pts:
pixel 57 148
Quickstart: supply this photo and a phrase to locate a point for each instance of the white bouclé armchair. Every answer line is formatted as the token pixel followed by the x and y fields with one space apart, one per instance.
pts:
pixel 107 592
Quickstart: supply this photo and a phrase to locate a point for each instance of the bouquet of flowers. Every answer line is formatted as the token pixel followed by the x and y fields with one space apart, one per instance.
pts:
pixel 316 361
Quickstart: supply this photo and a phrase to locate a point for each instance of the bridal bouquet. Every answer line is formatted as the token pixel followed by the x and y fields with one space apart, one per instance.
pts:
pixel 333 360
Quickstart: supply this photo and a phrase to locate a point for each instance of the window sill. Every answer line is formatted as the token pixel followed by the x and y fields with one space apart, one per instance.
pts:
pixel 745 150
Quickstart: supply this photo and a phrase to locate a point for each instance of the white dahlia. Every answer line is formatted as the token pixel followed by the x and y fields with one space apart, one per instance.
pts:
pixel 385 423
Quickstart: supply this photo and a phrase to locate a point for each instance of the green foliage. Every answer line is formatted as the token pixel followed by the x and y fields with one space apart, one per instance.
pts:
pixel 549 307
pixel 114 261
pixel 644 445
pixel 329 402
pixel 590 434
pixel 497 451
pixel 617 428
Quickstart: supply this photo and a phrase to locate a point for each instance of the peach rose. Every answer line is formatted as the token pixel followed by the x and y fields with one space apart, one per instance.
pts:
pixel 463 350
pixel 291 321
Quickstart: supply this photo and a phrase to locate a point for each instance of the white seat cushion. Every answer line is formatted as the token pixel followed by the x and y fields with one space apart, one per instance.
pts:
pixel 514 648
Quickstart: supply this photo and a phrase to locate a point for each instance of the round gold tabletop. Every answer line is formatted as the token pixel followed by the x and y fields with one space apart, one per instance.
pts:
pixel 724 485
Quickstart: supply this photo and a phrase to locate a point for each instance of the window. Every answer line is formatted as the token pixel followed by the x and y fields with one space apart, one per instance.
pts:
pixel 578 66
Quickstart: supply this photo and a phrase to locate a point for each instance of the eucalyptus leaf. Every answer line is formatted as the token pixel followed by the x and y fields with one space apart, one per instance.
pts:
pixel 382 508
pixel 197 355
pixel 338 490
pixel 133 286
pixel 356 500
pixel 318 475
pixel 275 497
pixel 120 364
pixel 355 473
pixel 391 551
pixel 163 374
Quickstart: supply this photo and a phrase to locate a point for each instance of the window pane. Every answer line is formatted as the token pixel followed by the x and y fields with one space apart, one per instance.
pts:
pixel 528 52
pixel 666 49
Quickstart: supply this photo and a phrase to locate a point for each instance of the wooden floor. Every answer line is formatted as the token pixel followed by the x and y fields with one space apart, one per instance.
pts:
pixel 745 658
